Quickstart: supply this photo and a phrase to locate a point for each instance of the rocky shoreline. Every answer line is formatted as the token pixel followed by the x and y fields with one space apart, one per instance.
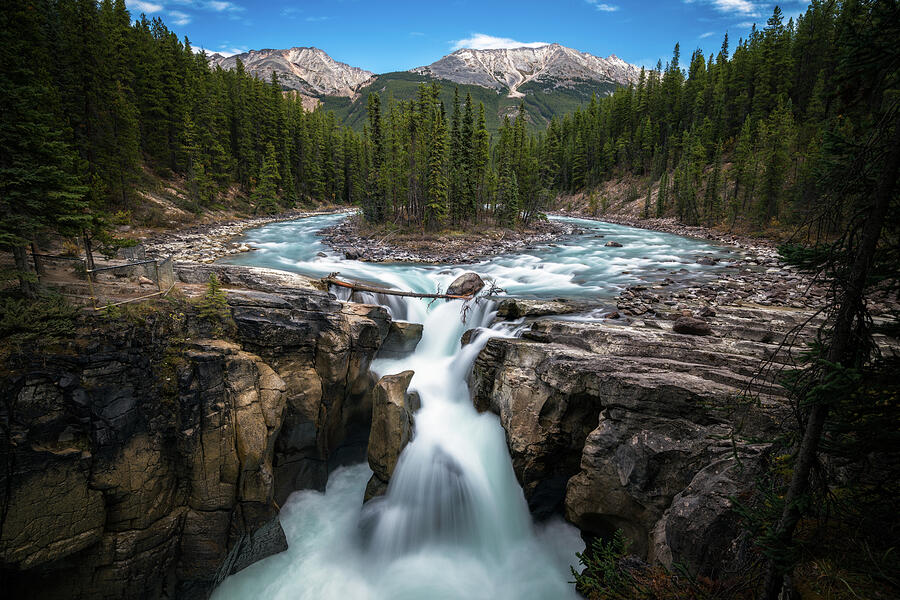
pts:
pixel 208 243
pixel 346 238
pixel 761 246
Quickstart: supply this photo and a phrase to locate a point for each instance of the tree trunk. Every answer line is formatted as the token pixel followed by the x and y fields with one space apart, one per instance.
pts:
pixel 842 346
pixel 26 285
pixel 358 287
pixel 88 250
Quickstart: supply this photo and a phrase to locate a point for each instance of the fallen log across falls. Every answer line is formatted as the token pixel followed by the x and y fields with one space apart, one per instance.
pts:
pixel 359 287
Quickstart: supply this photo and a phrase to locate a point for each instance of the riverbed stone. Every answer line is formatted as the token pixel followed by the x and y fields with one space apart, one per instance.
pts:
pixel 691 326
pixel 467 284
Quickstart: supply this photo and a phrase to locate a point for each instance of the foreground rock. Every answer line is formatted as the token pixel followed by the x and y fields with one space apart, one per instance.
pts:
pixel 638 428
pixel 392 428
pixel 147 460
pixel 691 326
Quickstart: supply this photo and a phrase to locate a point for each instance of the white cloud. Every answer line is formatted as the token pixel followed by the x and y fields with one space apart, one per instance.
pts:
pixel 741 7
pixel 482 41
pixel 745 25
pixel 139 6
pixel 602 6
pixel 706 35
pixel 316 19
pixel 179 18
pixel 222 6
pixel 744 8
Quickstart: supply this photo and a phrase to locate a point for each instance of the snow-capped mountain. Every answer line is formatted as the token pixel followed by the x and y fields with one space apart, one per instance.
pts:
pixel 310 71
pixel 508 69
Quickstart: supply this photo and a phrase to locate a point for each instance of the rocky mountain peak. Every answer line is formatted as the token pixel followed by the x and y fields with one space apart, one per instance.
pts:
pixel 309 70
pixel 508 69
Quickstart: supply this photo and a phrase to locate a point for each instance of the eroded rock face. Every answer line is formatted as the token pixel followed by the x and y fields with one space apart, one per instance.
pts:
pixel 402 339
pixel 148 461
pixel 639 428
pixel 392 428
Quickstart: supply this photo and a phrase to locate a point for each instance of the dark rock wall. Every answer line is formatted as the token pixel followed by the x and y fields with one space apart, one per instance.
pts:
pixel 147 460
pixel 640 428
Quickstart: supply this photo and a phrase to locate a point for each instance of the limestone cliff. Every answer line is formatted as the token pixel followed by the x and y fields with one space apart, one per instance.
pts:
pixel 147 459
pixel 633 426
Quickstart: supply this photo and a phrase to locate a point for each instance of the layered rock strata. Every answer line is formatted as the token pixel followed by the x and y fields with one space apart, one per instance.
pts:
pixel 146 459
pixel 633 426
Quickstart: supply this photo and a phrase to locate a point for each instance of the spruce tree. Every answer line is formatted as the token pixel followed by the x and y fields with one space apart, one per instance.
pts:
pixel 265 196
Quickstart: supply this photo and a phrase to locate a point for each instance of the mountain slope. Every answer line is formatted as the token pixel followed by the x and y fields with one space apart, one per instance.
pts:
pixel 550 80
pixel 310 71
pixel 508 69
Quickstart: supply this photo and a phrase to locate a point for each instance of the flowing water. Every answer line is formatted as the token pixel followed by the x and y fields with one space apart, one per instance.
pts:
pixel 454 523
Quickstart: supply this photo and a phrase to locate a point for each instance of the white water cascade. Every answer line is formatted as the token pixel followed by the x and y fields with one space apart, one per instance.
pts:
pixel 454 523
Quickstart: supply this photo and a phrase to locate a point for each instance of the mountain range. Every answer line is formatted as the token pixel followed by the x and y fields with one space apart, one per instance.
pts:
pixel 550 80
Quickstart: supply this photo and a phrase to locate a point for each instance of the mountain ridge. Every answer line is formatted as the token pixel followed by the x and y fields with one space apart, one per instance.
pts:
pixel 550 80
pixel 306 69
pixel 510 68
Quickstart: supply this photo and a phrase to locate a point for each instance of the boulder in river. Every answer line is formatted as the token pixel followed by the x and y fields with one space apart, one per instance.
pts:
pixel 691 326
pixel 467 284
pixel 612 244
pixel 392 428
pixel 401 340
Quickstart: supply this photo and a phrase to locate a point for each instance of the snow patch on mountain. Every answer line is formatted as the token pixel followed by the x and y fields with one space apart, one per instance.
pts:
pixel 310 71
pixel 508 69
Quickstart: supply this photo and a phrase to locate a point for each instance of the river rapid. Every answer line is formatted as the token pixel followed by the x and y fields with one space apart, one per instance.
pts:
pixel 454 523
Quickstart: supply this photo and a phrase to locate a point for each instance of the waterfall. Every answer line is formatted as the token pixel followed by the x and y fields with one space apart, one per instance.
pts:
pixel 453 523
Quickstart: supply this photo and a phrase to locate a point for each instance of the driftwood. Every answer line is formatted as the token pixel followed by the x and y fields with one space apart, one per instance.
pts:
pixel 358 287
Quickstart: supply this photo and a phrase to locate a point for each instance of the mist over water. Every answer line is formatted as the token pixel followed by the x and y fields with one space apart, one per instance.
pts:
pixel 454 523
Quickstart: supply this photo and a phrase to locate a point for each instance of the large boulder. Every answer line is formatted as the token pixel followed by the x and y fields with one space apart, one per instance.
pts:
pixel 392 428
pixel 691 326
pixel 515 308
pixel 467 284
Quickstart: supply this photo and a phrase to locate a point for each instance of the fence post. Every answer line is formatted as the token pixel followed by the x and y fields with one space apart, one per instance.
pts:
pixel 91 284
pixel 156 269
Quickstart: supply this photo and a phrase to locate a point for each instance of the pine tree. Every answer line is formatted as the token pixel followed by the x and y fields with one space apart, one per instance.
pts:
pixel 38 188
pixel 661 194
pixel 265 196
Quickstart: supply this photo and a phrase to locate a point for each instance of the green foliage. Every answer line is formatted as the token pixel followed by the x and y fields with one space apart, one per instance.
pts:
pixel 213 306
pixel 601 577
pixel 35 323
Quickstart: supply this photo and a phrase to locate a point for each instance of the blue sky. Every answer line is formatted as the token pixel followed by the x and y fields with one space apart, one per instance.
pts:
pixel 386 36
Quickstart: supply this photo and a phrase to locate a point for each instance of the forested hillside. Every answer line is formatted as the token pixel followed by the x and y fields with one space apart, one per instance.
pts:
pixel 95 99
pixel 92 98
pixel 746 135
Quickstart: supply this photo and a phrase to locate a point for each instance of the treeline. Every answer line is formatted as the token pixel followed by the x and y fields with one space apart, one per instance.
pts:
pixel 91 99
pixel 736 136
pixel 432 170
